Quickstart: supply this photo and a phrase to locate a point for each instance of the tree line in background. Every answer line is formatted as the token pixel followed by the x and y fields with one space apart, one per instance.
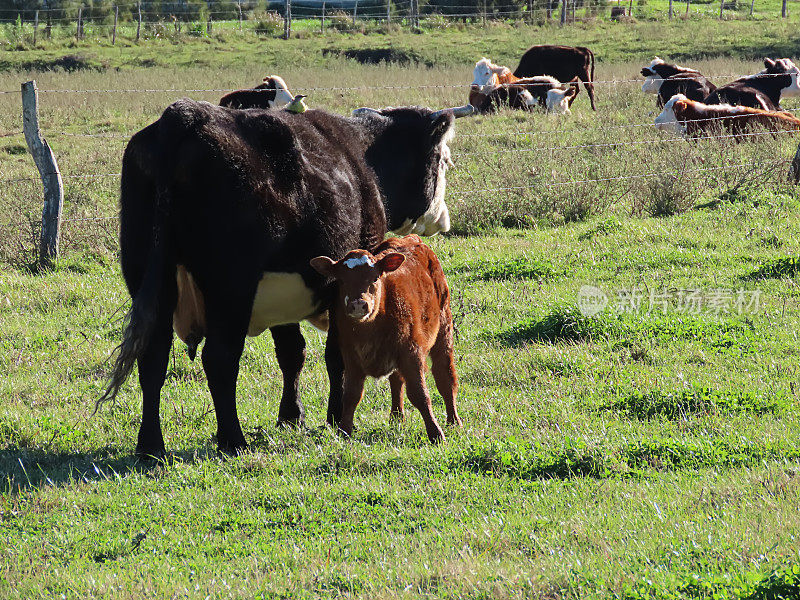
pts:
pixel 102 11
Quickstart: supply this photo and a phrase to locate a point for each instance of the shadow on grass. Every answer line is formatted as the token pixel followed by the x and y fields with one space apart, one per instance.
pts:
pixel 32 469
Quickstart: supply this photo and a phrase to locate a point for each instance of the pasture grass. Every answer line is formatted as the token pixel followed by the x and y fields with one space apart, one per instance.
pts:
pixel 649 451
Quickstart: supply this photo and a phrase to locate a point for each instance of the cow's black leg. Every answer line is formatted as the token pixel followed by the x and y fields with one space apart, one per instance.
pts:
pixel 335 367
pixel 290 349
pixel 152 372
pixel 221 354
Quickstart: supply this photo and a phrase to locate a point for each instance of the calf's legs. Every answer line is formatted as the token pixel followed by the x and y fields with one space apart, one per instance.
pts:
pixel 444 373
pixel 414 376
pixel 152 372
pixel 396 384
pixel 353 392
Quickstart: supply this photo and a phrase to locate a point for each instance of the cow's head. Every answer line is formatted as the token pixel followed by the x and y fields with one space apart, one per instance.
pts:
pixel 784 66
pixel 409 153
pixel 359 275
pixel 282 94
pixel 485 76
pixel 669 120
pixel 652 80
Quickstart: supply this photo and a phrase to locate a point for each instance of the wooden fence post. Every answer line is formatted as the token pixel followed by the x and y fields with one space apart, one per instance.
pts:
pixel 210 24
pixel 287 20
pixel 48 170
pixel 630 9
pixel 48 29
pixel 549 9
pixel 239 8
pixel 752 6
pixel 687 7
pixel 563 12
pixel 139 21
pixel 573 10
pixel 670 9
pixel 355 12
pixel 78 26
pixel 721 7
pixel 794 169
pixel 784 10
pixel 114 31
pixel 322 27
pixel 35 26
pixel 388 12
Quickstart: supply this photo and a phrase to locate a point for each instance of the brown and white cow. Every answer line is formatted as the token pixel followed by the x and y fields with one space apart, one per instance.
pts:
pixel 565 63
pixel 271 93
pixel 666 79
pixel 392 309
pixel 690 118
pixel 493 86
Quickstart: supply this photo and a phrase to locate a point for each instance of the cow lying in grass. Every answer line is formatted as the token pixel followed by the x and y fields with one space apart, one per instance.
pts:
pixel 271 93
pixel 494 86
pixel 391 310
pixel 665 80
pixel 690 118
pixel 765 89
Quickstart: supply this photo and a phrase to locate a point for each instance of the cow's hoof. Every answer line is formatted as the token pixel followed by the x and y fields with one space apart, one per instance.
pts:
pixel 151 455
pixel 436 436
pixel 299 423
pixel 232 449
pixel 397 416
pixel 456 422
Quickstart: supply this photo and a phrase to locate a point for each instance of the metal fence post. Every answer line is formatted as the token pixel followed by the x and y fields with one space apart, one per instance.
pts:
pixel 48 170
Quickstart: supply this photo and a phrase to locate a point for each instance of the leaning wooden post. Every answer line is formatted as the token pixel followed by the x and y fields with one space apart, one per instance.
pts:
pixel 687 7
pixel 752 6
pixel 114 31
pixel 48 170
pixel 721 7
pixel 139 22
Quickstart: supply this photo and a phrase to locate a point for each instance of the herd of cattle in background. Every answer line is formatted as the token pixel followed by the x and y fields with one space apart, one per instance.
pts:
pixel 257 214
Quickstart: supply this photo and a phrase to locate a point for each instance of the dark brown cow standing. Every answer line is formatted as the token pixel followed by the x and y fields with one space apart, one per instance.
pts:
pixel 392 310
pixel 565 63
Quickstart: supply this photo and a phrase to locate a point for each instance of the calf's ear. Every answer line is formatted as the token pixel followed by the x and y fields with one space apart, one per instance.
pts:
pixel 769 63
pixel 391 262
pixel 323 265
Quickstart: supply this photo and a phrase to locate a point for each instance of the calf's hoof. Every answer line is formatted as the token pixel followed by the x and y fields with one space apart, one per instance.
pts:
pixel 298 423
pixel 154 455
pixel 397 416
pixel 455 422
pixel 232 449
pixel 150 447
pixel 436 436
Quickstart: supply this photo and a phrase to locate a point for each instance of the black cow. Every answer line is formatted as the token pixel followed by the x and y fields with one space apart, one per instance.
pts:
pixel 763 90
pixel 221 211
pixel 271 93
pixel 665 80
pixel 565 63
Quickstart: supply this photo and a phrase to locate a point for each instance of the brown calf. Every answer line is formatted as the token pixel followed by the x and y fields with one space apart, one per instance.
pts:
pixel 687 117
pixel 392 309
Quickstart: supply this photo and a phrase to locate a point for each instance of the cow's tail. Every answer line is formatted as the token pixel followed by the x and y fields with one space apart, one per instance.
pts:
pixel 141 319
pixel 144 313
pixel 591 59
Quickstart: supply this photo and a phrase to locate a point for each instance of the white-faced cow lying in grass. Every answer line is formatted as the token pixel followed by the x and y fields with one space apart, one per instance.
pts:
pixel 392 309
pixel 271 93
pixel 494 86
pixel 690 118
pixel 222 210
pixel 665 80
pixel 763 90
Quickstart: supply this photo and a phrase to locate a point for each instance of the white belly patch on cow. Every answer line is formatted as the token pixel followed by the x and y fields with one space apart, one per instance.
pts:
pixel 280 298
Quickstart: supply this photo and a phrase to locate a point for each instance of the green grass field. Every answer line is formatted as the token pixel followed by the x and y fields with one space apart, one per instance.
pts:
pixel 635 454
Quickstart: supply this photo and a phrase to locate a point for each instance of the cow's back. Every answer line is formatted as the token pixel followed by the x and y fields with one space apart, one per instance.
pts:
pixel 562 62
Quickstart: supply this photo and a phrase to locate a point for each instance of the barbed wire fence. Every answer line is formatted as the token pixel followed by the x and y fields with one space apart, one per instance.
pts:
pixel 525 145
pixel 276 17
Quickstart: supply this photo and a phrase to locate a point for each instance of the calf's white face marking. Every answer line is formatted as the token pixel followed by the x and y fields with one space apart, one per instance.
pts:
pixel 667 121
pixel 282 94
pixel 793 89
pixel 352 263
pixel 280 298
